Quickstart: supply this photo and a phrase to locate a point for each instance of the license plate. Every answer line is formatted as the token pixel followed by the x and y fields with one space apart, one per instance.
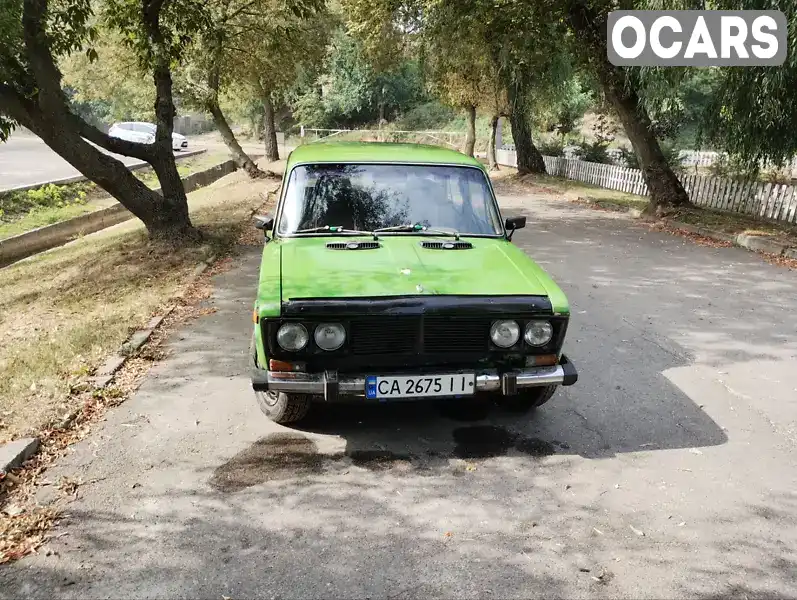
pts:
pixel 417 386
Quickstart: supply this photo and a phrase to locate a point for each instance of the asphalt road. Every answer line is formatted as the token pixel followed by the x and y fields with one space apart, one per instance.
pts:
pixel 25 160
pixel 667 471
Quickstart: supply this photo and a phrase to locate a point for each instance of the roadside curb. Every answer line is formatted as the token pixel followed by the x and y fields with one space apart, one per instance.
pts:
pixel 106 373
pixel 755 243
pixel 13 454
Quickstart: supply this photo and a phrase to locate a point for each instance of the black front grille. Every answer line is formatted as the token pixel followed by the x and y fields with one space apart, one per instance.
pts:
pixel 384 335
pixel 456 334
pixel 394 335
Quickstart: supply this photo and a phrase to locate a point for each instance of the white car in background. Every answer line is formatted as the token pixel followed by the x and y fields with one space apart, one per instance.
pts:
pixel 143 133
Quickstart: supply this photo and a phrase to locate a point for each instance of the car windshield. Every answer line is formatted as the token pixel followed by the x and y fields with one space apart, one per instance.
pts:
pixel 368 197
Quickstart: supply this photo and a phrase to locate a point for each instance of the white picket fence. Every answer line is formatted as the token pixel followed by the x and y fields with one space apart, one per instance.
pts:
pixel 756 198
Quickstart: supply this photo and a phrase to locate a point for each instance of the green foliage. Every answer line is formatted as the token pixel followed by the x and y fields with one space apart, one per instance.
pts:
pixel 112 88
pixel 349 92
pixel 753 111
pixel 569 103
pixel 14 205
pixel 629 157
pixel 732 167
pixel 551 147
pixel 595 151
pixel 676 104
pixel 158 33
pixel 427 116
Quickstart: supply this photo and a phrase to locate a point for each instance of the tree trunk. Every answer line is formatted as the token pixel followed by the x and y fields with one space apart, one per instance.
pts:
pixel 172 222
pixel 159 216
pixel 48 116
pixel 470 131
pixel 270 129
pixel 491 160
pixel 240 157
pixel 529 159
pixel 664 187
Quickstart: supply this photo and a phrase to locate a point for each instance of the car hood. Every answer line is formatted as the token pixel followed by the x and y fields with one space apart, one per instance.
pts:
pixel 402 267
pixel 178 136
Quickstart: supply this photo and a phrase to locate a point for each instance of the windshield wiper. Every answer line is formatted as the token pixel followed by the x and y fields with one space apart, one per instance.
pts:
pixel 335 229
pixel 417 228
pixel 330 228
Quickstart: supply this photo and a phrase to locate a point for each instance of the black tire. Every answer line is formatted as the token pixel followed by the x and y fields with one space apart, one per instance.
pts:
pixel 278 406
pixel 528 399
pixel 284 408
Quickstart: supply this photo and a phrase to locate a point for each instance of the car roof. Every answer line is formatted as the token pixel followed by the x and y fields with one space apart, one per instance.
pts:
pixel 377 152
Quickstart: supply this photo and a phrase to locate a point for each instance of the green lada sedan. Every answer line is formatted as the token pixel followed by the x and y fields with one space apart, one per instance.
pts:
pixel 388 273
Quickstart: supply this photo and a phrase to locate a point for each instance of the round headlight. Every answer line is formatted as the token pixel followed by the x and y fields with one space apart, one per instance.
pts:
pixel 505 334
pixel 538 333
pixel 292 337
pixel 330 336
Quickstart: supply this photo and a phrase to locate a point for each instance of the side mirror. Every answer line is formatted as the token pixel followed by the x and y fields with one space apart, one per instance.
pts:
pixel 513 223
pixel 264 223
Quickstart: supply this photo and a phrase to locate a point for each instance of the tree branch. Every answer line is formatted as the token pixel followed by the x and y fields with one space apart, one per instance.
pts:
pixel 16 106
pixel 143 152
pixel 239 10
pixel 50 96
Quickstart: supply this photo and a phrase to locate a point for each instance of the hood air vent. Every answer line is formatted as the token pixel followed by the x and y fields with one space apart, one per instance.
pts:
pixel 353 245
pixel 447 245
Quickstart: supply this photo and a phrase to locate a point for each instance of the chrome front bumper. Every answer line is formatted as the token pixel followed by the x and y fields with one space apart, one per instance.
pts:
pixel 329 385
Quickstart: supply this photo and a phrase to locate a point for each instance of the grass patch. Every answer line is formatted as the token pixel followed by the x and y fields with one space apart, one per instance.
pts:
pixel 62 312
pixel 22 211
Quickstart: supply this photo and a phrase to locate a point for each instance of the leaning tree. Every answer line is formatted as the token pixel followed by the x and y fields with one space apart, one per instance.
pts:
pixel 35 33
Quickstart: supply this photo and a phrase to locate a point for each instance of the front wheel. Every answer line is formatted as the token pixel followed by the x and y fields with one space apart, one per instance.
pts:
pixel 278 406
pixel 528 399
pixel 284 408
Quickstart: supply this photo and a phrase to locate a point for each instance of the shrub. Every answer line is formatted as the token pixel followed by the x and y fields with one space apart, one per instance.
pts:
pixel 732 167
pixel 431 115
pixel 551 147
pixel 593 151
pixel 629 157
pixel 14 205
